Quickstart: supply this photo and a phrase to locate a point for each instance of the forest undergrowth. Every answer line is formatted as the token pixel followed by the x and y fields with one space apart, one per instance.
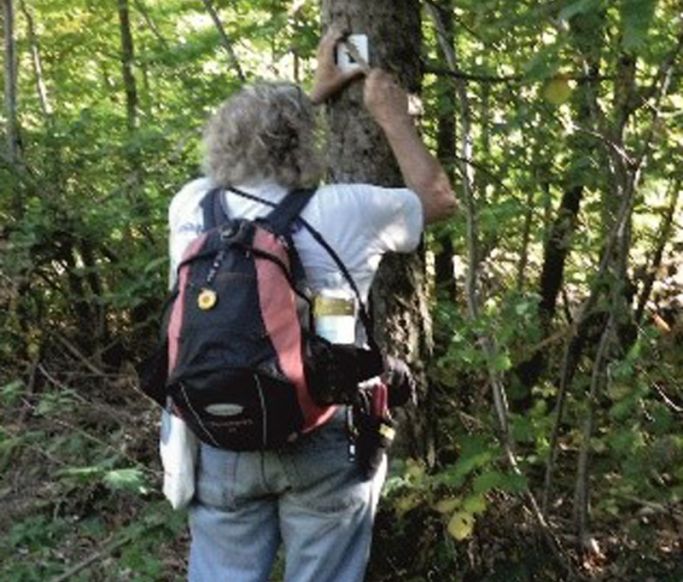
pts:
pixel 80 487
pixel 544 320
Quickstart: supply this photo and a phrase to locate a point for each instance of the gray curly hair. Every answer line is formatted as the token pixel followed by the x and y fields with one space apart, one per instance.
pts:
pixel 264 131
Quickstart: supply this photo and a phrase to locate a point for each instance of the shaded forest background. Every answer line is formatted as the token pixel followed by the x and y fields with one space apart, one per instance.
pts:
pixel 550 442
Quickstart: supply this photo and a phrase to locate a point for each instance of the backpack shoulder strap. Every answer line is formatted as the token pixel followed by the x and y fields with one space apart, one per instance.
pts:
pixel 285 213
pixel 289 214
pixel 214 212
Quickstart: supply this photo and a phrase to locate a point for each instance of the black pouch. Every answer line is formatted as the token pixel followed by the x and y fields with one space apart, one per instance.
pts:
pixel 333 371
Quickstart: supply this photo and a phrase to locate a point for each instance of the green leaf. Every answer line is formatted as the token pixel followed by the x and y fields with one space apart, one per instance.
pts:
pixel 544 63
pixel 501 362
pixel 578 7
pixel 10 393
pixel 487 481
pixel 129 479
pixel 474 504
pixel 636 19
pixel 461 525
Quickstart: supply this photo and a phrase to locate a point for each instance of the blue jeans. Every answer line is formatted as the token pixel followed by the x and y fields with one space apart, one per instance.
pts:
pixel 307 495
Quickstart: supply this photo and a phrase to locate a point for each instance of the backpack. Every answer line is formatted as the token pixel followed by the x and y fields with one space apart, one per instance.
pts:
pixel 239 360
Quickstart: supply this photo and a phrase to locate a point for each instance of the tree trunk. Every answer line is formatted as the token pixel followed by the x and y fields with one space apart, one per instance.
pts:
pixel 13 136
pixel 13 141
pixel 446 153
pixel 127 57
pixel 358 152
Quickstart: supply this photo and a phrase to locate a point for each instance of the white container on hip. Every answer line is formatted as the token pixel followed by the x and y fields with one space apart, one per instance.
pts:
pixel 334 310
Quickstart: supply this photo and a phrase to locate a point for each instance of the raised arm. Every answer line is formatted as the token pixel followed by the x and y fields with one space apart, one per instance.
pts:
pixel 422 172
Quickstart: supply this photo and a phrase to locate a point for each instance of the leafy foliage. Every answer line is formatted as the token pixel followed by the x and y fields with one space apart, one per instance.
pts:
pixel 566 99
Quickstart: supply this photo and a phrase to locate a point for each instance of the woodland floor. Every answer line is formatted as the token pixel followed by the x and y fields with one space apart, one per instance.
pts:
pixel 79 483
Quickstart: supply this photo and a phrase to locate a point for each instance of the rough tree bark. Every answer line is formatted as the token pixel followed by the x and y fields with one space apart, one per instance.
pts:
pixel 358 152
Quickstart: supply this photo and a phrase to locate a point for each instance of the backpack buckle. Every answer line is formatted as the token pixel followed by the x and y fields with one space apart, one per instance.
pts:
pixel 228 231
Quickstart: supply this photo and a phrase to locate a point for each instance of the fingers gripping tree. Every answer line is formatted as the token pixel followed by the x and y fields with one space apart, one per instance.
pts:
pixel 358 152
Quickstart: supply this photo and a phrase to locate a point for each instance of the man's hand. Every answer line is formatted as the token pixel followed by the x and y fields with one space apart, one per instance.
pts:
pixel 386 101
pixel 329 78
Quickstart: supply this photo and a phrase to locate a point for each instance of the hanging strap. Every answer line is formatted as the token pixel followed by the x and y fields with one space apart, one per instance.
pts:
pixel 213 210
pixel 365 318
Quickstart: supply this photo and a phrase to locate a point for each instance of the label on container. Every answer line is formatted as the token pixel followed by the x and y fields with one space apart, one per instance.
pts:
pixel 333 306
pixel 335 319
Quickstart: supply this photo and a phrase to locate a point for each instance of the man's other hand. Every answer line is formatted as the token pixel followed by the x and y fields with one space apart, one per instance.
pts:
pixel 329 78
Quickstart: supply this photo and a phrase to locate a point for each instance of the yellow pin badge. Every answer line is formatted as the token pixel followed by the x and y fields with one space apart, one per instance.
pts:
pixel 207 299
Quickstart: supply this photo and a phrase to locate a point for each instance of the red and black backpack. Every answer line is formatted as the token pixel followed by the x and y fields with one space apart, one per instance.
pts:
pixel 239 360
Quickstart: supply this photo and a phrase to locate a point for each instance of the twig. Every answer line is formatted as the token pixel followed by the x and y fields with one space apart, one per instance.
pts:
pixel 627 193
pixel 670 403
pixel 662 240
pixel 18 434
pixel 142 9
pixel 30 387
pixel 582 492
pixel 485 78
pixel 76 352
pixel 108 549
pixel 87 435
pixel 227 44
pixel 617 148
pixel 570 358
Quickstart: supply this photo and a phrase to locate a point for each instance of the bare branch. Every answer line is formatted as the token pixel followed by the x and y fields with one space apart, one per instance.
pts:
pixel 142 9
pixel 662 239
pixel 582 491
pixel 225 40
pixel 37 61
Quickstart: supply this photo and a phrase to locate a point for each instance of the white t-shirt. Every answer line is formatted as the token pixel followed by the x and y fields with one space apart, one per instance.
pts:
pixel 359 221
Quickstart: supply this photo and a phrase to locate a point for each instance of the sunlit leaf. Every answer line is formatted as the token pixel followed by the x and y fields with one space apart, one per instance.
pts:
pixel 557 91
pixel 461 525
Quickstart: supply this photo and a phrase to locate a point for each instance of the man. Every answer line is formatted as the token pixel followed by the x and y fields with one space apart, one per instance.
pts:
pixel 306 495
